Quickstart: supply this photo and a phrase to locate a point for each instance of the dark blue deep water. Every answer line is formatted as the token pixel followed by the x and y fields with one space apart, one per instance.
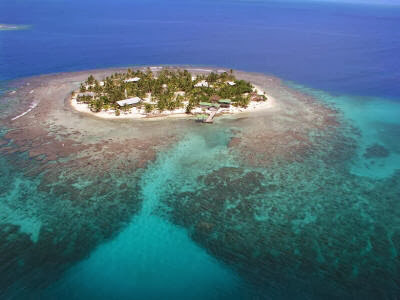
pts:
pixel 307 229
pixel 334 47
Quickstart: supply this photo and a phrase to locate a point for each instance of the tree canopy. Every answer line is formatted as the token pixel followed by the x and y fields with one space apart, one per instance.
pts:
pixel 165 89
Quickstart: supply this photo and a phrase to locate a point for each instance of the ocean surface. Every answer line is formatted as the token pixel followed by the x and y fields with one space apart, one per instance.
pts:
pixel 330 229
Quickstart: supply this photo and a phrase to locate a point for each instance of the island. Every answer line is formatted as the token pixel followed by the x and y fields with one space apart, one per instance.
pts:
pixel 165 92
pixel 12 27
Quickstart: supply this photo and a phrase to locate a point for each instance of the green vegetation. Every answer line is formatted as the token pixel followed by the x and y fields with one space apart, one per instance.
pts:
pixel 164 90
pixel 148 107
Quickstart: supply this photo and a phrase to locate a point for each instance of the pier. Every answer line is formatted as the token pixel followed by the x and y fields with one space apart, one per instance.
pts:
pixel 211 116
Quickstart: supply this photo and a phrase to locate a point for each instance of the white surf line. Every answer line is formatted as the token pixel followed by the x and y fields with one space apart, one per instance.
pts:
pixel 32 106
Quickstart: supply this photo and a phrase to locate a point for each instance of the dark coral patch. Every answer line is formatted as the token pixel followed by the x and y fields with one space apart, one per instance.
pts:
pixel 376 151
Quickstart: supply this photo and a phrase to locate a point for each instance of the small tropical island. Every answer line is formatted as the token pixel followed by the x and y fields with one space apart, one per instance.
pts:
pixel 167 92
pixel 13 27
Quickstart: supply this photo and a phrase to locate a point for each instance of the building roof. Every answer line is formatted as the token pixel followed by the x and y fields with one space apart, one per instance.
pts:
pixel 231 83
pixel 134 79
pixel 225 101
pixel 91 94
pixel 129 101
pixel 208 104
pixel 202 83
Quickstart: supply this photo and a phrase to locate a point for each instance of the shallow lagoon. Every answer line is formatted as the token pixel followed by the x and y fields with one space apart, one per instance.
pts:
pixel 294 201
pixel 152 258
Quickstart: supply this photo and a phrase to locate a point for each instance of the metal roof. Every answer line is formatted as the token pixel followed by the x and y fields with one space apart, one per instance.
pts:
pixel 202 83
pixel 129 101
pixel 208 104
pixel 134 79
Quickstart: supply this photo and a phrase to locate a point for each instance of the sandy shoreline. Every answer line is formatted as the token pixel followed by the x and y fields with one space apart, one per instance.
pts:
pixel 60 85
pixel 52 97
pixel 136 114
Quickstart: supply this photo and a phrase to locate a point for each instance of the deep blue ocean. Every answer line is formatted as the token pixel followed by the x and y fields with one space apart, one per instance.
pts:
pixel 345 55
pixel 333 47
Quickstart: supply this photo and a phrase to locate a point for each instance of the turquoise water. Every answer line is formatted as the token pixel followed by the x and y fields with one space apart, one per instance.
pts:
pixel 200 222
pixel 327 221
pixel 15 208
pixel 152 258
pixel 378 124
pixel 149 253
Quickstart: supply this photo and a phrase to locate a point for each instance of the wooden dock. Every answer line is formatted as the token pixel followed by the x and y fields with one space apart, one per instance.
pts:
pixel 211 117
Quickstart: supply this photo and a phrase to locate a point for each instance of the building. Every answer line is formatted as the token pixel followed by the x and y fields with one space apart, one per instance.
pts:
pixel 209 105
pixel 225 103
pixel 129 101
pixel 231 83
pixel 87 94
pixel 134 79
pixel 89 86
pixel 202 83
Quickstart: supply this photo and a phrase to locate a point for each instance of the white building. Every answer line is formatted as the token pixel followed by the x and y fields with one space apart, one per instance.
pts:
pixel 202 83
pixel 134 79
pixel 179 93
pixel 90 94
pixel 129 101
pixel 231 83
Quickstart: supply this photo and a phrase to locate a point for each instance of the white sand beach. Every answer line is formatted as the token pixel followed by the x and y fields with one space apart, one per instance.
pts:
pixel 139 113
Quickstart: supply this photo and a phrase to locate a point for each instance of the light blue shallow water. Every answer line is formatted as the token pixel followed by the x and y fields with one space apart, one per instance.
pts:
pixel 285 223
pixel 152 258
pixel 378 121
